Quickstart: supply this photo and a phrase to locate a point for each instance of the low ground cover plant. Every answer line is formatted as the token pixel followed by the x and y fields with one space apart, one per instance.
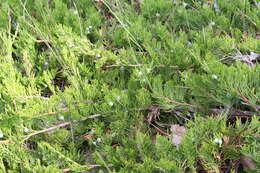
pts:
pixel 130 86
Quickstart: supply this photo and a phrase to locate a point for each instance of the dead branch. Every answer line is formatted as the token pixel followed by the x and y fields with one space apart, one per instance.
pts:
pixel 215 111
pixel 236 113
pixel 159 130
pixel 65 124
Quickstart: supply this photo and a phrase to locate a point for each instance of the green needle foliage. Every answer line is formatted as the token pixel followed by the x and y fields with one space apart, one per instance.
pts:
pixel 140 66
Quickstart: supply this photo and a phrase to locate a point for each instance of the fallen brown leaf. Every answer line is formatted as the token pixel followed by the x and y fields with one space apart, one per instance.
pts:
pixel 217 155
pixel 247 162
pixel 249 59
pixel 88 136
pixel 226 140
pixel 177 134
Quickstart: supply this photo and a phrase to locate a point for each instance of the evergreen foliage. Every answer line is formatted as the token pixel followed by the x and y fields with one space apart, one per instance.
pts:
pixel 140 67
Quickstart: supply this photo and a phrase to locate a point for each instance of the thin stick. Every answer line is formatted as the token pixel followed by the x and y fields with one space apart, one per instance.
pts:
pixel 46 130
pixel 65 124
pixel 159 130
pixel 236 113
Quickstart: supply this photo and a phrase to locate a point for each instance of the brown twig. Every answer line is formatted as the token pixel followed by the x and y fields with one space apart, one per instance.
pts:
pixel 159 130
pixel 46 130
pixel 236 113
pixel 215 111
pixel 65 124
pixel 256 107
